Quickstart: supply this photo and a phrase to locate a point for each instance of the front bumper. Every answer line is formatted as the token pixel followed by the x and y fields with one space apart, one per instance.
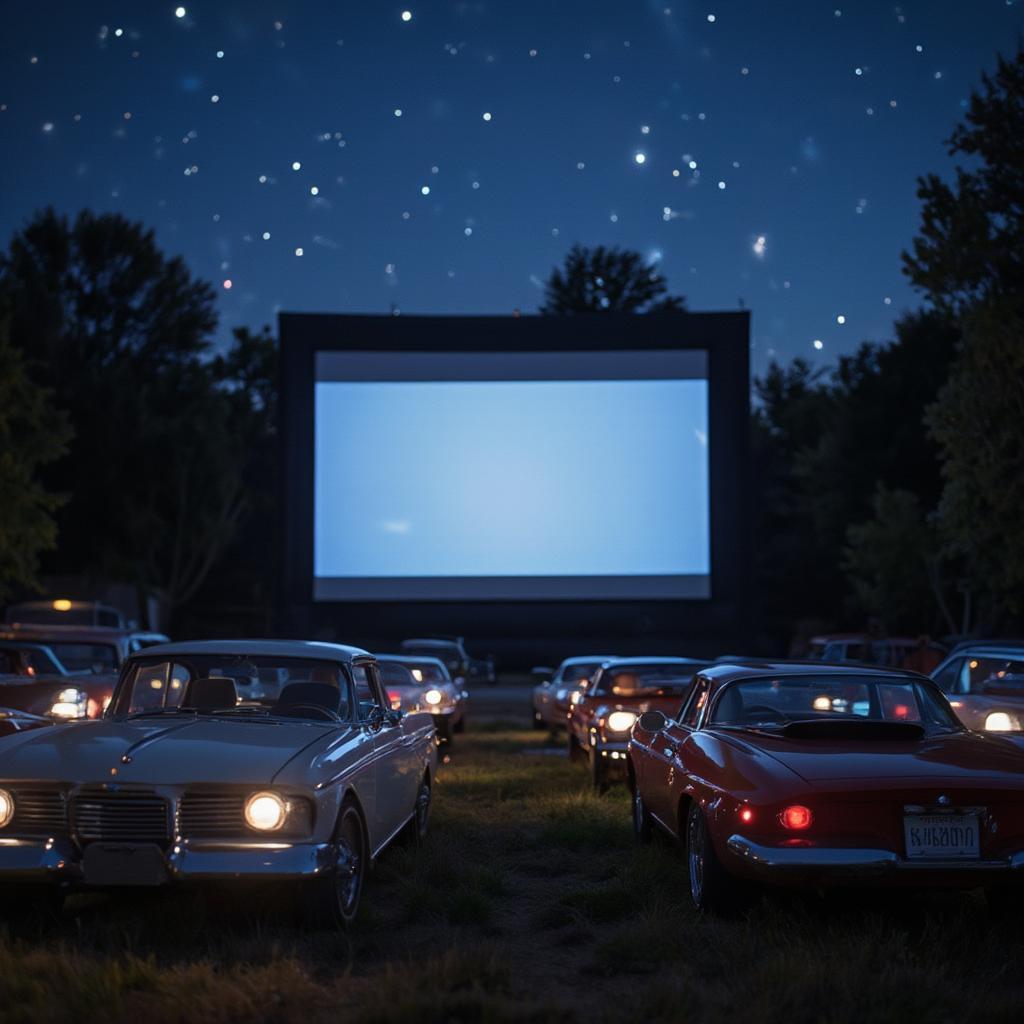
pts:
pixel 822 865
pixel 60 861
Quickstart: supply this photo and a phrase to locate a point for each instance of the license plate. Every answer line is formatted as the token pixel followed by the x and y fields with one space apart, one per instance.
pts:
pixel 942 836
pixel 124 864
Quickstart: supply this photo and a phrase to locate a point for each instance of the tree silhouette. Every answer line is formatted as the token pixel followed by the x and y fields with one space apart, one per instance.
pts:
pixel 122 335
pixel 606 280
pixel 32 434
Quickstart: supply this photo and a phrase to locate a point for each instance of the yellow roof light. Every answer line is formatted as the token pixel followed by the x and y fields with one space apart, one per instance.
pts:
pixel 62 604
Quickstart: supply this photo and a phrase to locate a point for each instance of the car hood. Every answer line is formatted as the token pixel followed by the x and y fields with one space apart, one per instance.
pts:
pixel 158 752
pixel 955 759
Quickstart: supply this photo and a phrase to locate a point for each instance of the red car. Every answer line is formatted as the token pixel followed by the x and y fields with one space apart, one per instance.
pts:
pixel 816 776
pixel 603 712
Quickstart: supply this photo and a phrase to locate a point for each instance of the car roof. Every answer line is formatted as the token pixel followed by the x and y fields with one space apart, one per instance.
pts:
pixel 431 641
pixel 46 633
pixel 256 648
pixel 996 647
pixel 412 659
pixel 652 660
pixel 757 670
pixel 587 659
pixel 23 645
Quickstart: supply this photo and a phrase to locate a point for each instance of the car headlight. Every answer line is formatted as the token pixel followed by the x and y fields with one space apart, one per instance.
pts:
pixel 265 812
pixel 999 721
pixel 70 703
pixel 576 698
pixel 621 721
pixel 6 807
pixel 432 697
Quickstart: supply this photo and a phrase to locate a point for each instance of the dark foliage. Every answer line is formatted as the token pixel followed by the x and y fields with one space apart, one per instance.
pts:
pixel 606 280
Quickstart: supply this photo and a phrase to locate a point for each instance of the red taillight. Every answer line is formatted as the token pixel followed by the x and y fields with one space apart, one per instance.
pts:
pixel 746 815
pixel 797 817
pixel 395 700
pixel 901 711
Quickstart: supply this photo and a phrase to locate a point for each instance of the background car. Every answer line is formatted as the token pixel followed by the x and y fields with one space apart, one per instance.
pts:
pixel 423 684
pixel 184 780
pixel 551 697
pixel 96 649
pixel 918 653
pixel 817 776
pixel 621 690
pixel 984 681
pixel 452 651
pixel 24 658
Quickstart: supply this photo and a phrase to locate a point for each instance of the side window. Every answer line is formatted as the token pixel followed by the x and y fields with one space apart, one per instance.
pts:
pixel 367 688
pixel 691 710
pixel 948 678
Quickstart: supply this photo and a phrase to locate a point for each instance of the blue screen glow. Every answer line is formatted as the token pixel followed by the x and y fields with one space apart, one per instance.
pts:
pixel 540 480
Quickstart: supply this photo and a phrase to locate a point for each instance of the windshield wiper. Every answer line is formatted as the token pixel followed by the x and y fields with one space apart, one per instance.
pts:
pixel 162 711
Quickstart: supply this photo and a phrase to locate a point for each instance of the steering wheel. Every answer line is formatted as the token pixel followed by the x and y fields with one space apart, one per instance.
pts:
pixel 318 711
pixel 757 711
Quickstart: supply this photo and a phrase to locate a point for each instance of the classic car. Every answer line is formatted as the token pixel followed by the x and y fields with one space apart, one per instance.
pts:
pixel 919 653
pixel 423 684
pixel 603 714
pixel 984 681
pixel 190 778
pixel 99 649
pixel 551 697
pixel 452 651
pixel 33 679
pixel 820 776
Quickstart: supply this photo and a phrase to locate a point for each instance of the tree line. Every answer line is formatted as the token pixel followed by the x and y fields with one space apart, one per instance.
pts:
pixel 889 487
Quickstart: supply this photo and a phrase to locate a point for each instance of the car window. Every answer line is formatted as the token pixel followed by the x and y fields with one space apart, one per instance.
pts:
pixel 948 678
pixel 160 685
pixel 366 693
pixel 41 663
pixel 982 673
pixel 83 657
pixel 9 663
pixel 690 711
pixel 656 680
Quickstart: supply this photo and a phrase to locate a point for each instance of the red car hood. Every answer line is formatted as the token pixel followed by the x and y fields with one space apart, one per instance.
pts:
pixel 963 759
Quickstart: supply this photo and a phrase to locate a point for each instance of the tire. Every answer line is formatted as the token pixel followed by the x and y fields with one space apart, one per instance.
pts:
pixel 421 813
pixel 643 827
pixel 575 750
pixel 712 889
pixel 333 900
pixel 598 771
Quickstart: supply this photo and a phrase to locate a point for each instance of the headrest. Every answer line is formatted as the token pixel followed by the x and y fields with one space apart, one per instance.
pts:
pixel 625 682
pixel 321 695
pixel 210 693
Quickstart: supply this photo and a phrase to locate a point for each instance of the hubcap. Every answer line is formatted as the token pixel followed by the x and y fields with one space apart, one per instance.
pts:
pixel 348 870
pixel 695 846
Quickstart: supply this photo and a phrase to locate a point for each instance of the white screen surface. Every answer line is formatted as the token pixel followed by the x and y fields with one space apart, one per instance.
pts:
pixel 510 476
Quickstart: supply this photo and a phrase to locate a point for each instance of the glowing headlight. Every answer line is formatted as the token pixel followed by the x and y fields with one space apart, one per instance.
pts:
pixel 70 703
pixel 265 812
pixel 576 698
pixel 6 807
pixel 621 721
pixel 432 696
pixel 999 721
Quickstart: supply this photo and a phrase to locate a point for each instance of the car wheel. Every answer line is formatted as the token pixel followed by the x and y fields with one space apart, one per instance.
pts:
pixel 575 750
pixel 332 901
pixel 598 771
pixel 711 887
pixel 643 828
pixel 421 815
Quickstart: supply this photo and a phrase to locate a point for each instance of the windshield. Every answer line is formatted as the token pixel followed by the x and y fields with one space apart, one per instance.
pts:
pixel 394 673
pixel 425 673
pixel 219 684
pixel 778 701
pixel 986 674
pixel 82 657
pixel 577 673
pixel 661 680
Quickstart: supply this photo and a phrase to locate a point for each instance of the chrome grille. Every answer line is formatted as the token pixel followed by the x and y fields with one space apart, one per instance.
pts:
pixel 206 815
pixel 130 816
pixel 39 812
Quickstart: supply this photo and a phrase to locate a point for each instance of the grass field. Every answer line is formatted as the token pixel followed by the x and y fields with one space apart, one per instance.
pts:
pixel 528 902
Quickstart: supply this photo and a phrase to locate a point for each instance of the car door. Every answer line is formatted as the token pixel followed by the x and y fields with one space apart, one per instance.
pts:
pixel 394 792
pixel 667 763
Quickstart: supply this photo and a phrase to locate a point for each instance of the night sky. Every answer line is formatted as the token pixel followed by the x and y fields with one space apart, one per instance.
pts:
pixel 442 157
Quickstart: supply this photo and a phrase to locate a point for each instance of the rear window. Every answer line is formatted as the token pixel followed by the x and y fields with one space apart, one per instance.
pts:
pixel 656 680
pixel 81 657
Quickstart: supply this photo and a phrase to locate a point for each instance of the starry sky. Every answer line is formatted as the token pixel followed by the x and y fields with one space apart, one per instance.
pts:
pixel 441 157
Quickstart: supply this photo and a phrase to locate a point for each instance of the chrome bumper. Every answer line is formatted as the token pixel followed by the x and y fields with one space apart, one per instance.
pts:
pixel 797 864
pixel 58 860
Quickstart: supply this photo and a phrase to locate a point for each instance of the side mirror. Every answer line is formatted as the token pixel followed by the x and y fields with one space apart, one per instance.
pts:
pixel 652 721
pixel 393 717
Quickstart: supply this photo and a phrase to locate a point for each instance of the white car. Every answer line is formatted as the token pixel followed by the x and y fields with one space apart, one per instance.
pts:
pixel 424 684
pixel 219 761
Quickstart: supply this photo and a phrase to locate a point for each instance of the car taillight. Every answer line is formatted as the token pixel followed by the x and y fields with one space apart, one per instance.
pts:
pixel 395 700
pixel 746 815
pixel 796 817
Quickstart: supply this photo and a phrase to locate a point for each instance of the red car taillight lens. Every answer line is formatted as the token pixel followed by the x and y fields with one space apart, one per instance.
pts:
pixel 395 700
pixel 796 818
pixel 746 815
